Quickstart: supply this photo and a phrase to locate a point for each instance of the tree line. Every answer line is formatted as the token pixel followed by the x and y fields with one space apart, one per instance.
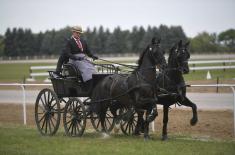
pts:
pixel 22 42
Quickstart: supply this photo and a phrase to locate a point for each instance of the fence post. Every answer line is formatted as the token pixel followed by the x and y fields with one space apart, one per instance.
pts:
pixel 24 104
pixel 233 108
pixel 31 78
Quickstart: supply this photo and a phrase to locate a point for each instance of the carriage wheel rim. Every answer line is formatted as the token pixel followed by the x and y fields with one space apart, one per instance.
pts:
pixel 47 112
pixel 74 118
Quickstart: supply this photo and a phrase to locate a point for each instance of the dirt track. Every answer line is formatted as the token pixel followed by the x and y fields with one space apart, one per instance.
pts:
pixel 212 124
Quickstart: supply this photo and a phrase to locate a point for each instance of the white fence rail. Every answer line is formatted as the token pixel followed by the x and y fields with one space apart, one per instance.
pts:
pixel 28 85
pixel 33 74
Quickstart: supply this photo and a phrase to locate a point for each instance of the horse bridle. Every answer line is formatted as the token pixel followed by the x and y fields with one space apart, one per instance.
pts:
pixel 180 67
pixel 152 55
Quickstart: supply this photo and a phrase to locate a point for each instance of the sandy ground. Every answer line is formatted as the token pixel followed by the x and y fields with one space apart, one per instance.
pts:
pixel 212 124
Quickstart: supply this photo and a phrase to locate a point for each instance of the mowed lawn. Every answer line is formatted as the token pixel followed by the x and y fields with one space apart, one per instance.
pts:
pixel 18 139
pixel 16 72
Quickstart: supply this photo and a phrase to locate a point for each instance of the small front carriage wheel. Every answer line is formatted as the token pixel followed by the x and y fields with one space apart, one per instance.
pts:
pixel 108 122
pixel 47 112
pixel 128 126
pixel 74 117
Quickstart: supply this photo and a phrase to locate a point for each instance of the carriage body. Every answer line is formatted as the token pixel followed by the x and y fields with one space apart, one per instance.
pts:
pixel 73 87
pixel 70 83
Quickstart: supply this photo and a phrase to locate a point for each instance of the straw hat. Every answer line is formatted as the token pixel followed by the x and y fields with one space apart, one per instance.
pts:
pixel 77 29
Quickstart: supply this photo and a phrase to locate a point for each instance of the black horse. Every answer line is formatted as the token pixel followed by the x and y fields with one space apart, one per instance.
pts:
pixel 173 84
pixel 135 91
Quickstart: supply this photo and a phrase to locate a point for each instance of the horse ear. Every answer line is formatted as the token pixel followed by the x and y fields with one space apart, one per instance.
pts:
pixel 159 40
pixel 187 44
pixel 180 43
pixel 153 40
pixel 174 47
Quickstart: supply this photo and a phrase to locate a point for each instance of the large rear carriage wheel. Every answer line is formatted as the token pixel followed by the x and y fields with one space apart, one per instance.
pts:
pixel 47 112
pixel 74 118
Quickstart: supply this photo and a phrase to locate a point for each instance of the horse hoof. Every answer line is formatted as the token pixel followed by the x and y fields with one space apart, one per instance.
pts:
pixel 193 121
pixel 105 135
pixel 136 134
pixel 146 137
pixel 164 137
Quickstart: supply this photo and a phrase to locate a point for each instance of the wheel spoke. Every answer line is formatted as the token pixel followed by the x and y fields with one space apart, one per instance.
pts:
pixel 68 122
pixel 129 129
pixel 98 124
pixel 46 125
pixel 40 113
pixel 132 127
pixel 108 115
pixel 108 121
pixel 43 103
pixel 75 126
pixel 79 125
pixel 45 98
pixel 126 127
pixel 70 126
pixel 48 98
pixel 42 118
pixel 53 104
pixel 73 105
pixel 49 124
pixel 52 123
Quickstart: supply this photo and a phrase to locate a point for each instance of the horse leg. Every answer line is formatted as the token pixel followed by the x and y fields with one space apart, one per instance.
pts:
pixel 102 116
pixel 140 123
pixel 165 121
pixel 153 112
pixel 116 118
pixel 146 123
pixel 146 130
pixel 187 102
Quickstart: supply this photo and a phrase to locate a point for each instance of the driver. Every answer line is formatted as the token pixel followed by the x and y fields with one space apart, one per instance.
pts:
pixel 76 52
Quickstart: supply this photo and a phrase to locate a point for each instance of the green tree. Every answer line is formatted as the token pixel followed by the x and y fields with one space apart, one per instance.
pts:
pixel 47 42
pixel 227 38
pixel 204 43
pixel 1 45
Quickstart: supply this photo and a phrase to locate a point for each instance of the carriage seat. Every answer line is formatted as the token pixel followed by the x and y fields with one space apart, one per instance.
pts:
pixel 70 71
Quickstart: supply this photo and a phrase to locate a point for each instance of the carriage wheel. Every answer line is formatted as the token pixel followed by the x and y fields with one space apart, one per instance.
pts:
pixel 47 112
pixel 108 123
pixel 128 127
pixel 74 118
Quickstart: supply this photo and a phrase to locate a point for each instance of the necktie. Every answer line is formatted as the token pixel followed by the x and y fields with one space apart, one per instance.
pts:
pixel 79 44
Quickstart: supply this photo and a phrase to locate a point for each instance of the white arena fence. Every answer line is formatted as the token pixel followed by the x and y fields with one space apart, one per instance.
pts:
pixel 36 71
pixel 22 86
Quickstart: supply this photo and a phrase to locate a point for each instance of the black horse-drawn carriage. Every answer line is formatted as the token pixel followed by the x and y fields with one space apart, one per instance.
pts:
pixel 70 100
pixel 140 90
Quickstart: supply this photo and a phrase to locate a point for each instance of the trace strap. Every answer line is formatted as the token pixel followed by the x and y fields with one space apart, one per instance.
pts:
pixel 129 66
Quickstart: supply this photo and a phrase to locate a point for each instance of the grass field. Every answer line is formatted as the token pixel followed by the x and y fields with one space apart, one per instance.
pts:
pixel 16 140
pixel 16 72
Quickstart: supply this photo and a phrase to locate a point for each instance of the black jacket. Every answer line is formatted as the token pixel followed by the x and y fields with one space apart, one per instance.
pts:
pixel 70 49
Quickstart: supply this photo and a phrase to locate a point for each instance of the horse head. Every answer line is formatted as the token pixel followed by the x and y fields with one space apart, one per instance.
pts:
pixel 156 53
pixel 179 56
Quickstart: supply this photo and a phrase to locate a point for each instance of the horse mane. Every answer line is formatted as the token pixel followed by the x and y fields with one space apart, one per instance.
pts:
pixel 172 52
pixel 141 57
